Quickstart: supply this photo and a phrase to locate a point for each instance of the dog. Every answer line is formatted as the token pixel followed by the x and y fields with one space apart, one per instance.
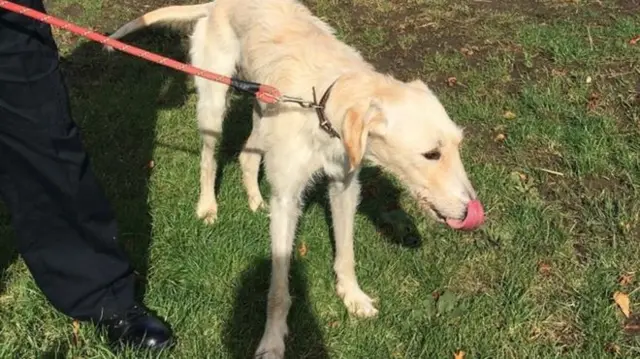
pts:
pixel 399 126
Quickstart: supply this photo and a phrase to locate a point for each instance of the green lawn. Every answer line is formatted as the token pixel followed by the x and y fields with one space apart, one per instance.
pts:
pixel 549 94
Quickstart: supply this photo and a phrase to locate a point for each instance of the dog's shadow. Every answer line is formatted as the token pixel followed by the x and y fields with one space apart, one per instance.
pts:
pixel 244 329
pixel 380 203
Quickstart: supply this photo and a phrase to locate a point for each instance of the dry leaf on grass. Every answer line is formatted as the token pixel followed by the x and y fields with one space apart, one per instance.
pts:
pixel 612 348
pixel 459 355
pixel 622 300
pixel 626 279
pixel 544 268
pixel 466 51
pixel 76 332
pixel 452 81
pixel 560 72
pixel 594 99
pixel 500 137
pixel 509 115
pixel 302 249
pixel 635 40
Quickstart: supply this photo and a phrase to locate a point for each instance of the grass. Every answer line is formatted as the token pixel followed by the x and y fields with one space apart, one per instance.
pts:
pixel 559 177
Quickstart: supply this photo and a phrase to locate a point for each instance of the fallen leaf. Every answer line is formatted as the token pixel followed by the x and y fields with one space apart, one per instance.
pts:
pixel 622 300
pixel 544 268
pixel 635 40
pixel 500 137
pixel 594 98
pixel 626 279
pixel 76 332
pixel 452 81
pixel 459 355
pixel 555 72
pixel 466 51
pixel 302 249
pixel 612 348
pixel 509 115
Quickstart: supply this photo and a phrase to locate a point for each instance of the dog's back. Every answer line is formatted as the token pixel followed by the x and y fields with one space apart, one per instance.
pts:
pixel 283 43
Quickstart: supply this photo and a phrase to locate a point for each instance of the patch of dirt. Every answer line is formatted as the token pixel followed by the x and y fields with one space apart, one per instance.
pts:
pixel 578 197
pixel 493 151
pixel 529 69
pixel 72 11
pixel 529 8
pixel 629 6
pixel 115 13
pixel 559 331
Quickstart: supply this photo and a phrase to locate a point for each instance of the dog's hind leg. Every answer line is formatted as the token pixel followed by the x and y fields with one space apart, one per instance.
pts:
pixel 250 158
pixel 343 196
pixel 214 48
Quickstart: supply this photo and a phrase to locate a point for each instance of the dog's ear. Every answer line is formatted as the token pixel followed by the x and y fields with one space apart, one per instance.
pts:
pixel 358 121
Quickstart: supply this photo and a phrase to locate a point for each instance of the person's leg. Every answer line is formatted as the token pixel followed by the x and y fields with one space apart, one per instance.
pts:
pixel 65 229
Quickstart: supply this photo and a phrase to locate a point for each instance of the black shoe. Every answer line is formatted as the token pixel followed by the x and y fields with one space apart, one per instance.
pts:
pixel 138 328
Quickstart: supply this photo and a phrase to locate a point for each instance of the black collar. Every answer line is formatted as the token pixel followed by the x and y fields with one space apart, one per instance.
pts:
pixel 320 107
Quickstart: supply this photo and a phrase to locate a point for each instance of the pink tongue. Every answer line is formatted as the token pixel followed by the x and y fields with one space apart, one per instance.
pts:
pixel 474 219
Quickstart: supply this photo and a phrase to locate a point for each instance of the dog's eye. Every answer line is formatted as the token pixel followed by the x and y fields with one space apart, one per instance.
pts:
pixel 432 155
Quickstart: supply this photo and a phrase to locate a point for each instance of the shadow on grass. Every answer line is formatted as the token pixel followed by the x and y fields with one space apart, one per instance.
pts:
pixel 380 197
pixel 244 329
pixel 115 100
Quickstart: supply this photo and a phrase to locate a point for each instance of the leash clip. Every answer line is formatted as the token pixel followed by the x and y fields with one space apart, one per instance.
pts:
pixel 300 101
pixel 318 106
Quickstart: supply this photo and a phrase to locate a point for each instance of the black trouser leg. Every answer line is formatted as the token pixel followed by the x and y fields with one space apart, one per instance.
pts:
pixel 65 229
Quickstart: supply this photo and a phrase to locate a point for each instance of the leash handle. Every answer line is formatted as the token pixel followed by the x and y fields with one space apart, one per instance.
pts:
pixel 264 93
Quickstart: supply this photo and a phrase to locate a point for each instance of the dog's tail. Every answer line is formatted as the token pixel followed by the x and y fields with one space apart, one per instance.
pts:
pixel 165 14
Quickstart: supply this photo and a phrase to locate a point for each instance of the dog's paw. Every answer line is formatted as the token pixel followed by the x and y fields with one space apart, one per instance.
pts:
pixel 270 348
pixel 357 302
pixel 207 211
pixel 257 203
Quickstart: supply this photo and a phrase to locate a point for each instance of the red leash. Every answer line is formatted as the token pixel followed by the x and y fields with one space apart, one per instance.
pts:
pixel 264 93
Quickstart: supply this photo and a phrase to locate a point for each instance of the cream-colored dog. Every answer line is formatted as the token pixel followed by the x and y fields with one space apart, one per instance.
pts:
pixel 399 126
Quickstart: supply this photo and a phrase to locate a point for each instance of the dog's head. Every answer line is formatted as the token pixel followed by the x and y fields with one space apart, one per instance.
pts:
pixel 404 128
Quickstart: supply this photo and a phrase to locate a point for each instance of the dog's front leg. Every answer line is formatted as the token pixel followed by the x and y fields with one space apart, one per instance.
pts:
pixel 284 212
pixel 344 196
